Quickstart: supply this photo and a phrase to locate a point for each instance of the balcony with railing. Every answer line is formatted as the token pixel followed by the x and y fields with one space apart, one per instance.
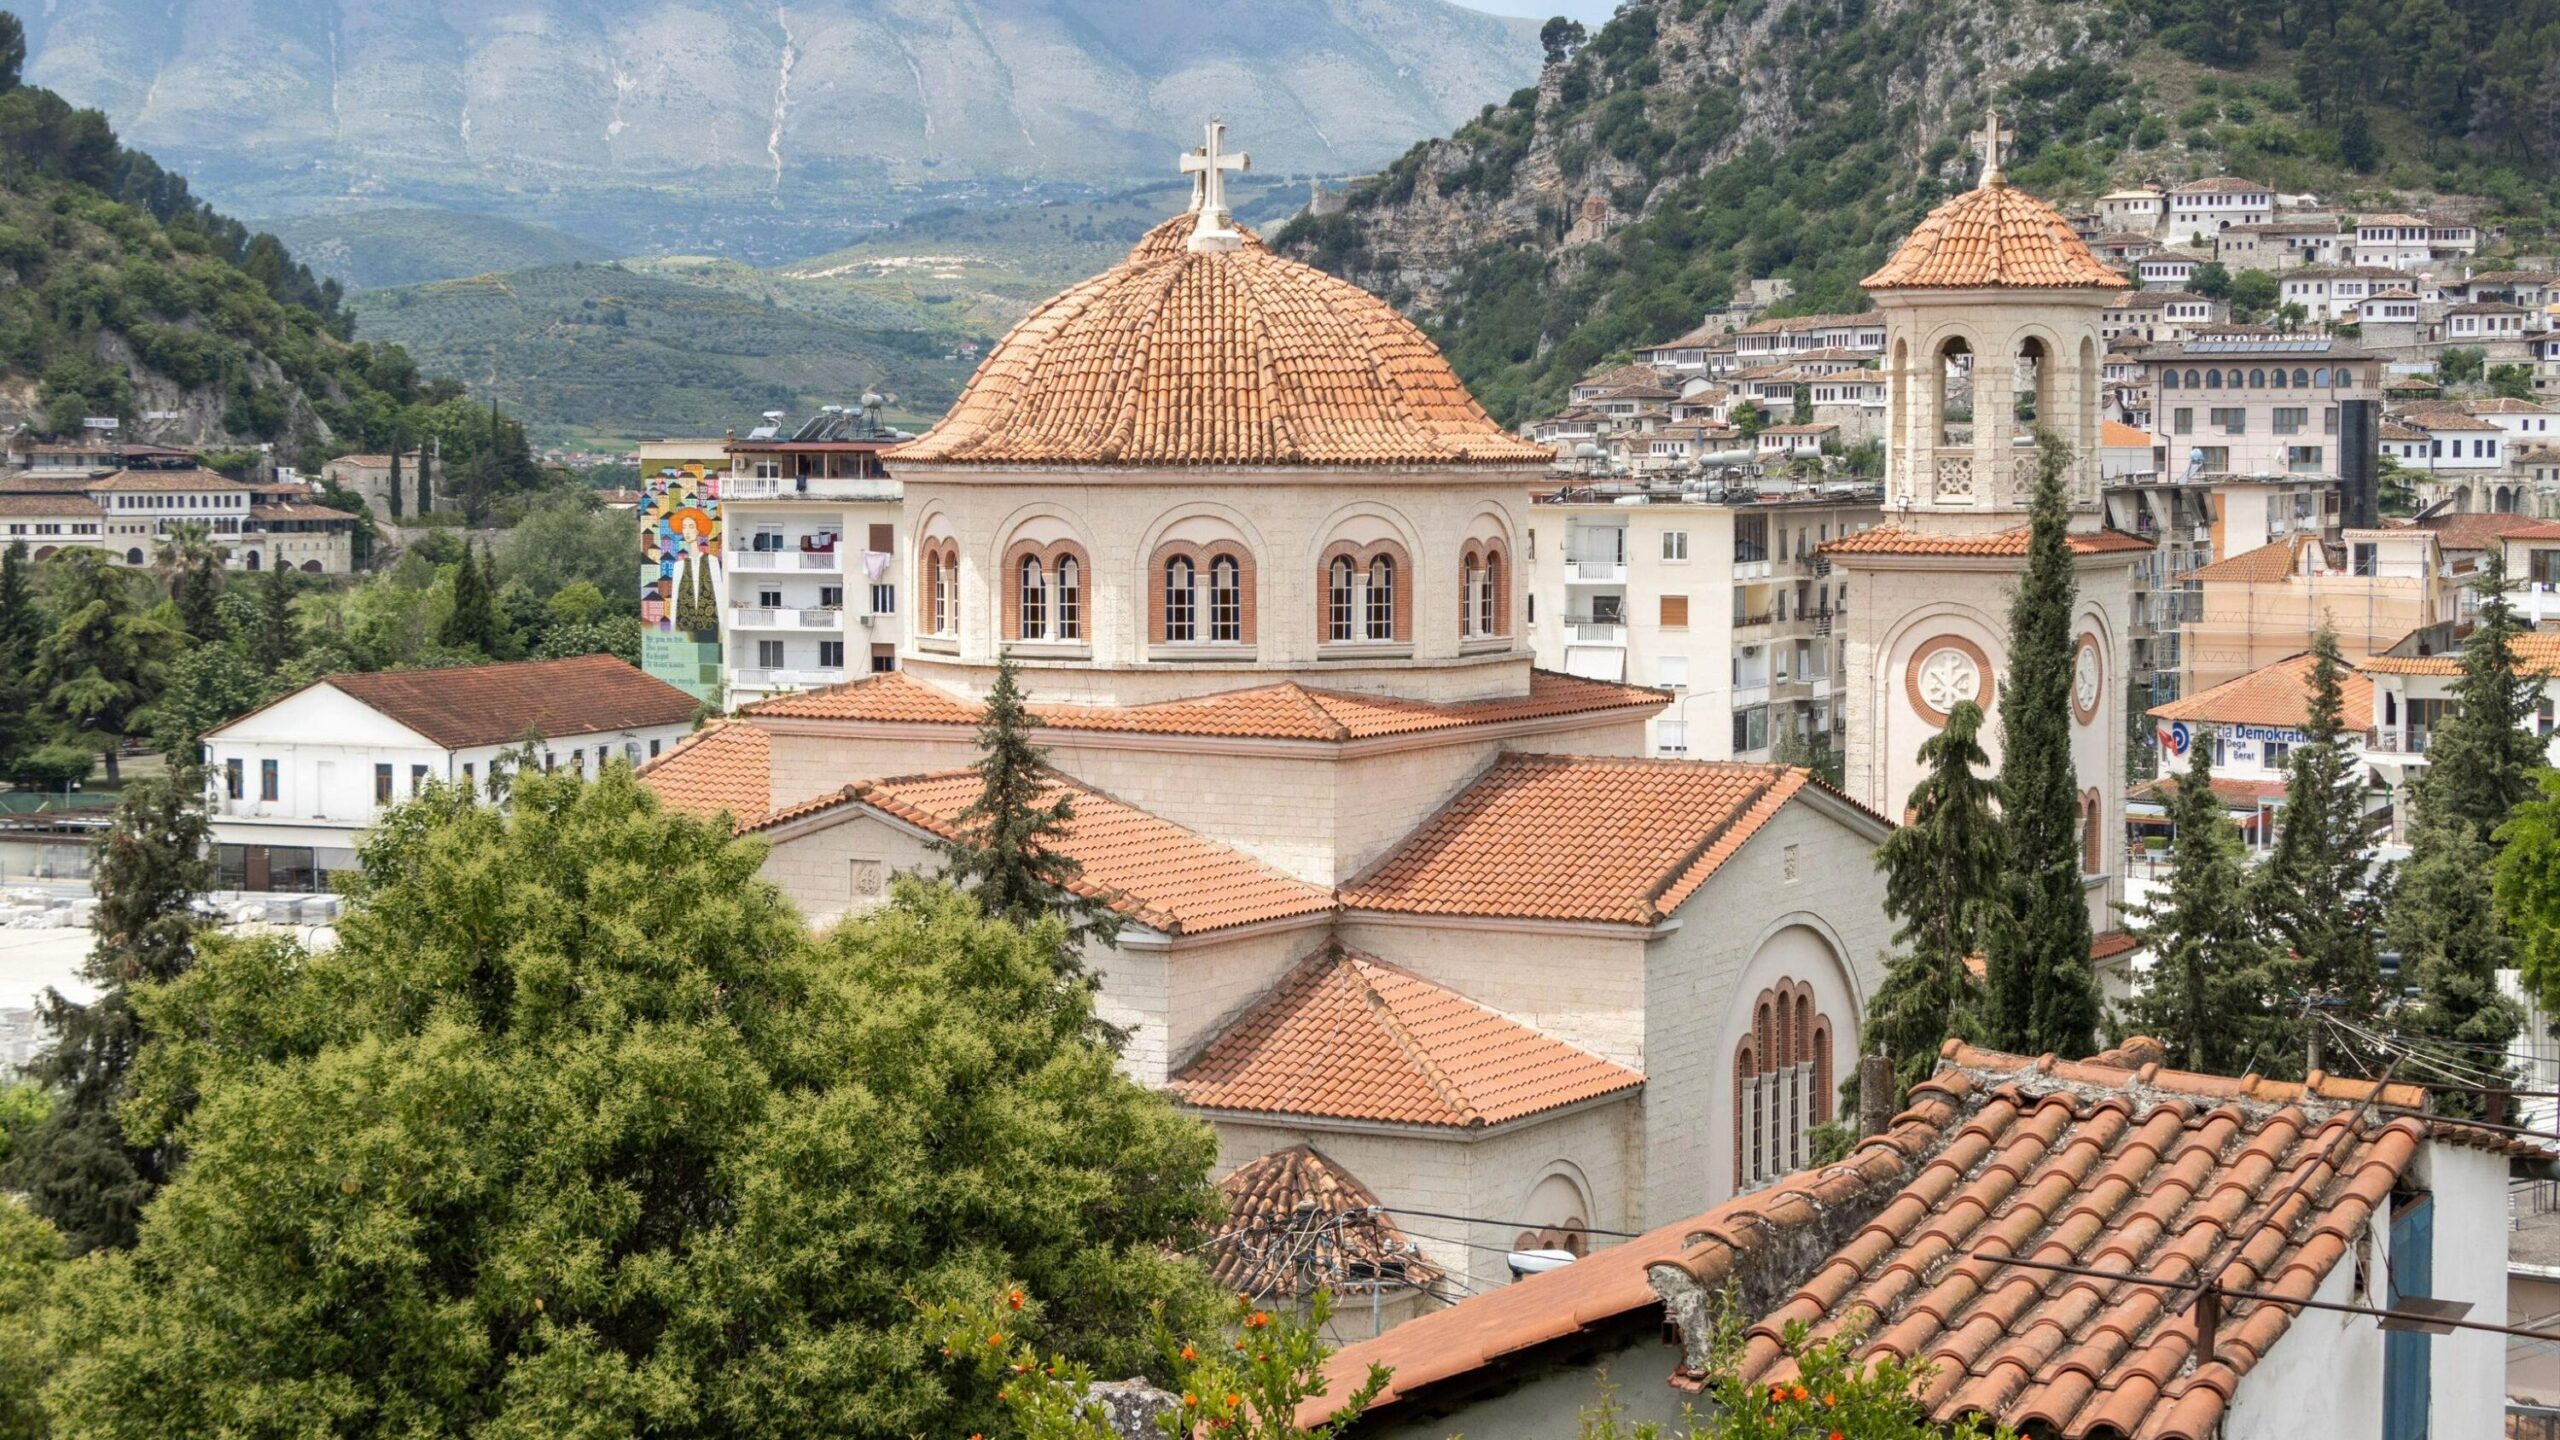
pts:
pixel 1756 620
pixel 747 677
pixel 785 617
pixel 1601 629
pixel 1595 570
pixel 2398 739
pixel 808 487
pixel 763 561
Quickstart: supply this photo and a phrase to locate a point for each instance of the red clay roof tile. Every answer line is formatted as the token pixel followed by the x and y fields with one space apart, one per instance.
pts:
pixel 1572 837
pixel 467 705
pixel 1260 1249
pixel 2274 695
pixel 1347 1036
pixel 1997 235
pixel 1893 539
pixel 1236 357
pixel 723 768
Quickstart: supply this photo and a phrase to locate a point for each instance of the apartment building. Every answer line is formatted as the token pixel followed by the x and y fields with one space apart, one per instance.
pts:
pixel 2255 404
pixel 1716 595
pixel 2417 683
pixel 814 527
pixel 2259 606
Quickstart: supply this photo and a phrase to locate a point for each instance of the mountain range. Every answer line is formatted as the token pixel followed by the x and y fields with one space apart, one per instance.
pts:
pixel 295 104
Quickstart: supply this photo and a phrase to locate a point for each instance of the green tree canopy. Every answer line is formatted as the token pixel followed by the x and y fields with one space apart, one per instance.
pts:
pixel 2314 897
pixel 577 1132
pixel 2480 759
pixel 106 657
pixel 2043 988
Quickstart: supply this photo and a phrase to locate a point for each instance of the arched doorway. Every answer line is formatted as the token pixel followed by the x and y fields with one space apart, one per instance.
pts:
pixel 310 567
pixel 133 556
pixel 253 560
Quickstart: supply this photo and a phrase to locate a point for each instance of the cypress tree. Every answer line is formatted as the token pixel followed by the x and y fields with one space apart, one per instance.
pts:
pixel 2480 760
pixel 2313 898
pixel 395 482
pixel 21 627
pixel 426 485
pixel 78 1168
pixel 472 623
pixel 2452 941
pixel 2043 989
pixel 278 638
pixel 1001 855
pixel 2210 998
pixel 1942 876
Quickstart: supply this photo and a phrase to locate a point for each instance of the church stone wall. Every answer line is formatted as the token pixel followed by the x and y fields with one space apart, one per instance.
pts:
pixel 845 867
pixel 1584 987
pixel 1805 875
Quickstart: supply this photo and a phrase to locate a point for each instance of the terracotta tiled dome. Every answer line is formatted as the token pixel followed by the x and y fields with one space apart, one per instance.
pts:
pixel 1220 357
pixel 1996 235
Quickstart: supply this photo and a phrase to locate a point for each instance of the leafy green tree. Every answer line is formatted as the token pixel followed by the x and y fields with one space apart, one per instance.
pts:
pixel 208 686
pixel 2254 293
pixel 2314 897
pixel 577 1132
pixel 2481 757
pixel 13 51
pixel 565 539
pixel 1749 418
pixel 190 565
pixel 1803 413
pixel 79 1168
pixel 2527 886
pixel 106 658
pixel 1942 879
pixel 31 1255
pixel 2212 281
pixel 2511 382
pixel 1560 37
pixel 2211 994
pixel 2358 150
pixel 2043 988
pixel 2460 365
pixel 1001 855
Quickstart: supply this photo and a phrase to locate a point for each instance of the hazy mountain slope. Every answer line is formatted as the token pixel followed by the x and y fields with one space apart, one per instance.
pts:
pixel 371 249
pixel 597 352
pixel 747 94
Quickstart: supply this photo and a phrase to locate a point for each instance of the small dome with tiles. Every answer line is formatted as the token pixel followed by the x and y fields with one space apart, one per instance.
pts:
pixel 1994 236
pixel 1187 354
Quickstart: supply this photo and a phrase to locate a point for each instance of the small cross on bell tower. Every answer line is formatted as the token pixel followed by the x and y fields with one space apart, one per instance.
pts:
pixel 1208 165
pixel 1990 138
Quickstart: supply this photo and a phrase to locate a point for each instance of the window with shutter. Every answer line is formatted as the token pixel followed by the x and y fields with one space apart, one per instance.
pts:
pixel 884 538
pixel 1675 612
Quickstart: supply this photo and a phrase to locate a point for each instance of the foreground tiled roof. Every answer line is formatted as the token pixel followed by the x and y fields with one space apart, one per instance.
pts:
pixel 1997 235
pixel 1893 539
pixel 2110 1163
pixel 2277 694
pixel 1238 357
pixel 1266 1248
pixel 468 705
pixel 2117 435
pixel 1571 837
pixel 724 768
pixel 2113 1166
pixel 1286 711
pixel 1147 868
pixel 1611 1285
pixel 2537 651
pixel 1347 1036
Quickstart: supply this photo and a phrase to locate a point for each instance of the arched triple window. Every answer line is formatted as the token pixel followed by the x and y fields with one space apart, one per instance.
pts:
pixel 1045 596
pixel 1201 594
pixel 1367 594
pixel 1782 1077
pixel 1484 607
pixel 940 582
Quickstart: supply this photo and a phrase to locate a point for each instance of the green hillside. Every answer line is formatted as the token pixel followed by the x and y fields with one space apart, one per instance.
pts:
pixel 1737 139
pixel 373 249
pixel 606 354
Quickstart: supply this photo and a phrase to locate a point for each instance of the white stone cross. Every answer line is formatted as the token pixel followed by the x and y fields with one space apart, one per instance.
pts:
pixel 1209 166
pixel 1991 137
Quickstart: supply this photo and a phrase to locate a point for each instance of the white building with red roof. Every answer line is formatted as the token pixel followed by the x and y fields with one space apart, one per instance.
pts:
pixel 1390 895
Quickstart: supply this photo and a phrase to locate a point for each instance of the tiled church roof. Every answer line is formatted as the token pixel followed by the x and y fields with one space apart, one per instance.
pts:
pixel 1177 357
pixel 1893 539
pixel 1348 1036
pixel 1997 235
pixel 1263 1248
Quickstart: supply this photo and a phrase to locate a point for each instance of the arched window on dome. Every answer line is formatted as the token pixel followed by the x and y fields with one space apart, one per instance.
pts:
pixel 1491 606
pixel 1226 601
pixel 1953 373
pixel 939 581
pixel 1181 601
pixel 1483 605
pixel 1342 619
pixel 1380 600
pixel 1068 600
pixel 2031 381
pixel 1367 593
pixel 1031 602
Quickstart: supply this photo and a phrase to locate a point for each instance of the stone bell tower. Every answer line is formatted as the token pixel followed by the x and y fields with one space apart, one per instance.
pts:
pixel 1992 311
